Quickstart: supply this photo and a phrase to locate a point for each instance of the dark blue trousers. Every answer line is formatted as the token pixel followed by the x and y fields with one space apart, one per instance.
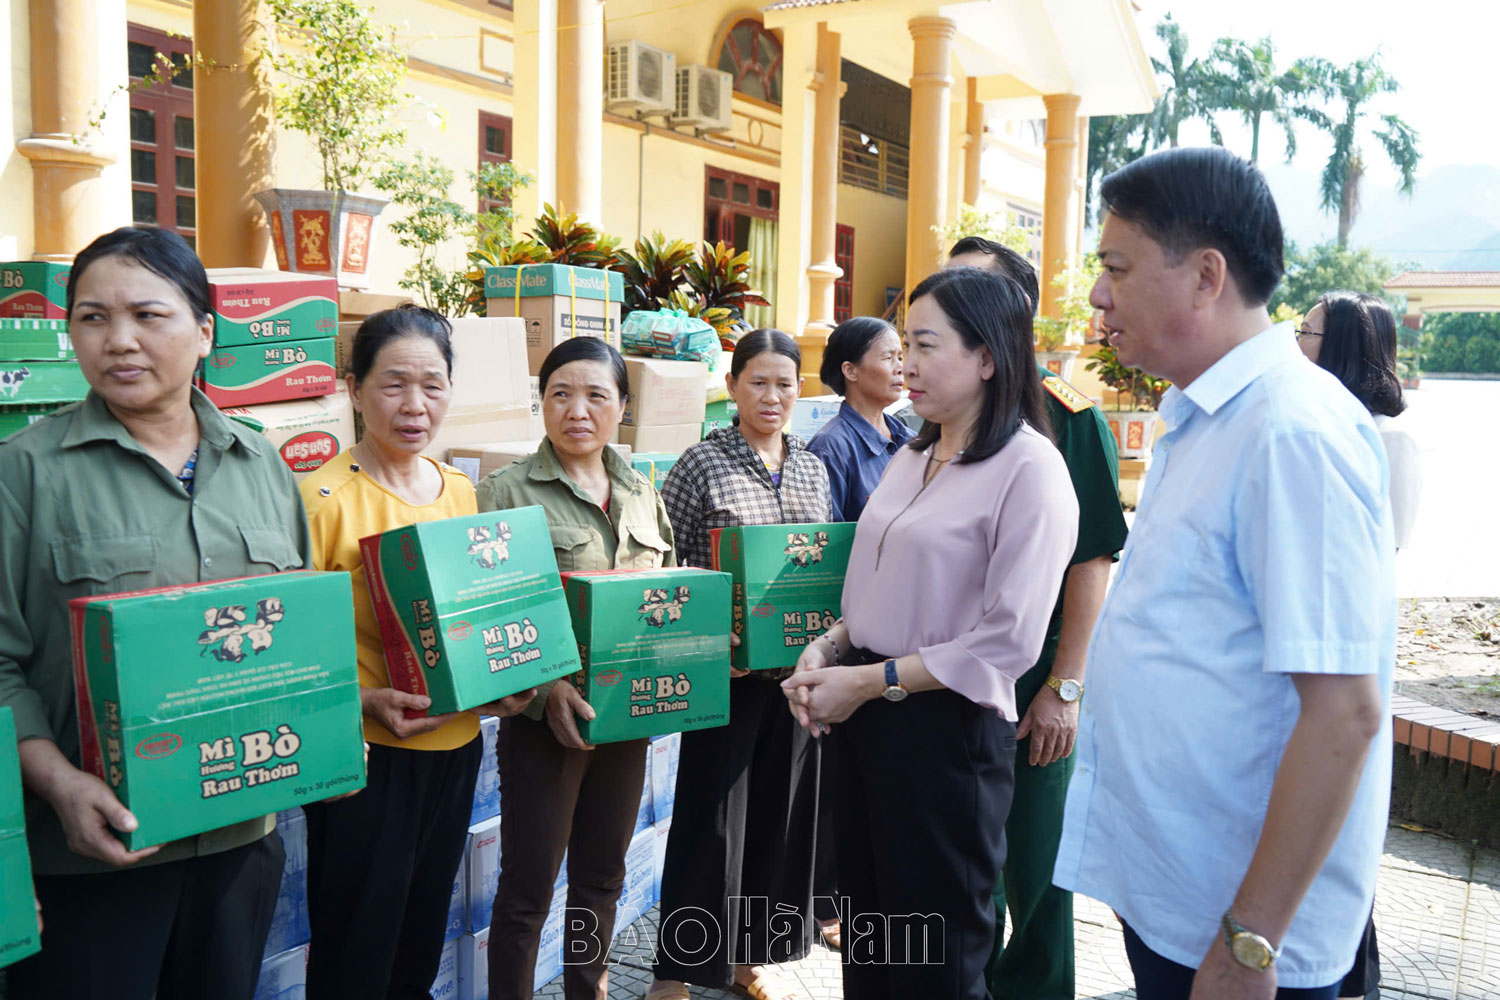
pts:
pixel 1158 978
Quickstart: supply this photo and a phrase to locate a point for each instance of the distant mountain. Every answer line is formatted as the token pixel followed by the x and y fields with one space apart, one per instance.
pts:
pixel 1451 221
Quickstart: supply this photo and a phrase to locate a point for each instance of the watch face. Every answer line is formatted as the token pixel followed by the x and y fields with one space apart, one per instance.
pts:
pixel 1070 690
pixel 895 694
pixel 1250 951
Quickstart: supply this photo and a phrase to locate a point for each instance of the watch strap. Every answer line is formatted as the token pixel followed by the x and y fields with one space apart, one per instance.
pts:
pixel 892 679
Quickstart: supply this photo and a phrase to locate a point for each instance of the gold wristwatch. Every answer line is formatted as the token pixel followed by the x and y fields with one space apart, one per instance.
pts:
pixel 1067 688
pixel 1248 948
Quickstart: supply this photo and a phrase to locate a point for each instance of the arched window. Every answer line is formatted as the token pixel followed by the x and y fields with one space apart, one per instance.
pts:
pixel 752 55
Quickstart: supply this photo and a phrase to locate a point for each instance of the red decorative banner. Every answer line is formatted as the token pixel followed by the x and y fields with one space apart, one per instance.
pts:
pixel 357 242
pixel 278 240
pixel 313 231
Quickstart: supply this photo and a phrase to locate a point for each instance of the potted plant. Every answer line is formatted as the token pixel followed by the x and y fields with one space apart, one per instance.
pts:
pixel 1058 339
pixel 341 87
pixel 1134 425
pixel 557 238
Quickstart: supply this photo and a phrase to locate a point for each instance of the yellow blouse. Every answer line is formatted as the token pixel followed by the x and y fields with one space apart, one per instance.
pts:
pixel 344 505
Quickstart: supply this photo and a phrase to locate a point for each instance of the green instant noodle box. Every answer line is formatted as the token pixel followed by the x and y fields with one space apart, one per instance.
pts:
pixel 18 933
pixel 471 608
pixel 788 583
pixel 655 651
pixel 210 704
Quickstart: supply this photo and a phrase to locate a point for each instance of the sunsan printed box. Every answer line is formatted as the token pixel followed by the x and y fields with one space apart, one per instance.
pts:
pixel 252 306
pixel 557 302
pixel 470 608
pixel 788 582
pixel 19 936
pixel 655 650
pixel 206 705
pixel 34 382
pixel 34 289
pixel 35 340
pixel 266 373
pixel 306 432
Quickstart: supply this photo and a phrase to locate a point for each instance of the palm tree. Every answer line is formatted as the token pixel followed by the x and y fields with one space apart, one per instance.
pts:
pixel 1244 78
pixel 1356 85
pixel 1114 141
pixel 1185 96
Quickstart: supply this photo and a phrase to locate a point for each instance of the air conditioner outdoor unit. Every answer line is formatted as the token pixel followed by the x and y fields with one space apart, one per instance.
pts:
pixel 704 98
pixel 640 78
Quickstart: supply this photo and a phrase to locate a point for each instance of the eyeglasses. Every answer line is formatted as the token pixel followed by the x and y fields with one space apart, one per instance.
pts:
pixel 1303 331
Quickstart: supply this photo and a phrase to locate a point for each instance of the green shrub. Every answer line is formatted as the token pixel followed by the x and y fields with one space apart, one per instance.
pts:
pixel 1482 354
pixel 1443 354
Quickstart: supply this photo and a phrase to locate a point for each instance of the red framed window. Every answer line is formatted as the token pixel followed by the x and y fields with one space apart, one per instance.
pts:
pixel 843 288
pixel 751 53
pixel 731 200
pixel 163 166
pixel 494 147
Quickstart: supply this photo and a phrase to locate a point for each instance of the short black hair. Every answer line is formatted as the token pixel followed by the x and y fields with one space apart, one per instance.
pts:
pixel 163 253
pixel 850 341
pixel 1189 198
pixel 989 311
pixel 1007 263
pixel 585 349
pixel 379 329
pixel 759 342
pixel 1359 348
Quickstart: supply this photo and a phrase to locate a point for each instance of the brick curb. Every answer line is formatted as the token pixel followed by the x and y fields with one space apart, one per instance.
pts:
pixel 1464 738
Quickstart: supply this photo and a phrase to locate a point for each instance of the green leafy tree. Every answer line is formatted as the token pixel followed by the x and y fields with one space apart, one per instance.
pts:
pixel 1328 267
pixel 1075 319
pixel 1114 140
pixel 1356 87
pixel 342 85
pixel 1243 78
pixel 422 186
pixel 998 226
pixel 1185 91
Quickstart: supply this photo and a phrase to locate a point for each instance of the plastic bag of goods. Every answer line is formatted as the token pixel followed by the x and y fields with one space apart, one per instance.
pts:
pixel 669 333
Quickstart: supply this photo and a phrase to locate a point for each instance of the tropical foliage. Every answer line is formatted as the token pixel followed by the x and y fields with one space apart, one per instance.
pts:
pixel 1145 391
pixel 653 270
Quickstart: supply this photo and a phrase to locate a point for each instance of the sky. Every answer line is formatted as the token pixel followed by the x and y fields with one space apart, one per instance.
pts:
pixel 1441 51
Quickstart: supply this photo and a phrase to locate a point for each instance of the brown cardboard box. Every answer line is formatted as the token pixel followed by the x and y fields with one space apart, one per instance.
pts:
pixel 550 320
pixel 674 438
pixel 357 305
pixel 468 425
pixel 489 362
pixel 479 460
pixel 665 392
pixel 306 432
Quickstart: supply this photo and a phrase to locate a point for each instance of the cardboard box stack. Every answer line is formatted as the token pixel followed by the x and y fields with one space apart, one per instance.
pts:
pixel 718 413
pixel 470 608
pixel 788 583
pixel 666 408
pixel 305 432
pixel 273 336
pixel 810 414
pixel 38 373
pixel 18 933
pixel 557 302
pixel 189 735
pixel 479 460
pixel 34 289
pixel 654 465
pixel 653 645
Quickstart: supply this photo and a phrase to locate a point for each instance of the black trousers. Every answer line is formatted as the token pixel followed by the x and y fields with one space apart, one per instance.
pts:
pixel 380 868
pixel 1158 978
pixel 182 930
pixel 736 886
pixel 922 789
pixel 1364 979
pixel 555 799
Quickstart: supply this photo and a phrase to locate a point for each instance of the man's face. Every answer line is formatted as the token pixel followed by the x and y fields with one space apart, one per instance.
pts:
pixel 1147 300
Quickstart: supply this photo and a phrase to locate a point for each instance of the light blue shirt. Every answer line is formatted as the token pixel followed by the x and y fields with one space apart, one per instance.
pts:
pixel 1262 548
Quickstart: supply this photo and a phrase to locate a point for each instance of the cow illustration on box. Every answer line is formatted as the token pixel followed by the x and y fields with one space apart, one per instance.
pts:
pixel 11 379
pixel 657 608
pixel 229 629
pixel 804 550
pixel 489 547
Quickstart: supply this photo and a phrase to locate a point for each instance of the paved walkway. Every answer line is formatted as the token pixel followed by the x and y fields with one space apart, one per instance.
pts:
pixel 1437 909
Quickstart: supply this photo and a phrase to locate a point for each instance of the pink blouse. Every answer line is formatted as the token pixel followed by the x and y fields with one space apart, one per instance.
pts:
pixel 967 570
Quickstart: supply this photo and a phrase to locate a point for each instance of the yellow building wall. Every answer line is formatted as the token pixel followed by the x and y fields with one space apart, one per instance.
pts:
pixel 879 223
pixel 16 232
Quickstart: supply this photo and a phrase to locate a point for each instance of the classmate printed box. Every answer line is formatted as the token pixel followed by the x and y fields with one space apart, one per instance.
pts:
pixel 14 418
pixel 788 582
pixel 268 373
pixel 34 289
pixel 445 986
pixel 305 432
pixel 474 966
pixel 289 922
pixel 640 869
pixel 487 784
pixel 283 976
pixel 35 340
pixel 655 651
pixel 210 704
pixel 18 934
pixel 252 306
pixel 665 753
pixel 37 382
pixel 470 608
pixel 654 465
pixel 557 302
pixel 482 864
pixel 458 902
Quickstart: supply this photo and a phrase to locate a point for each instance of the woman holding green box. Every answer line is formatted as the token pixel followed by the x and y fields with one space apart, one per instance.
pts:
pixel 143 484
pixel 558 792
pixel 380 865
pixel 744 825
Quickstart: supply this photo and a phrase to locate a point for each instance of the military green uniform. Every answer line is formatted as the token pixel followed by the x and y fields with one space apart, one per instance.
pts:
pixel 1037 963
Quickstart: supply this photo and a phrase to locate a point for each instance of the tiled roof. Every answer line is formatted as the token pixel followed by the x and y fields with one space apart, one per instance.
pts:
pixel 1445 279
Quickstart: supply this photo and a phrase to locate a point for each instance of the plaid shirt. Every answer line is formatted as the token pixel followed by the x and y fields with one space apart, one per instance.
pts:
pixel 721 483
